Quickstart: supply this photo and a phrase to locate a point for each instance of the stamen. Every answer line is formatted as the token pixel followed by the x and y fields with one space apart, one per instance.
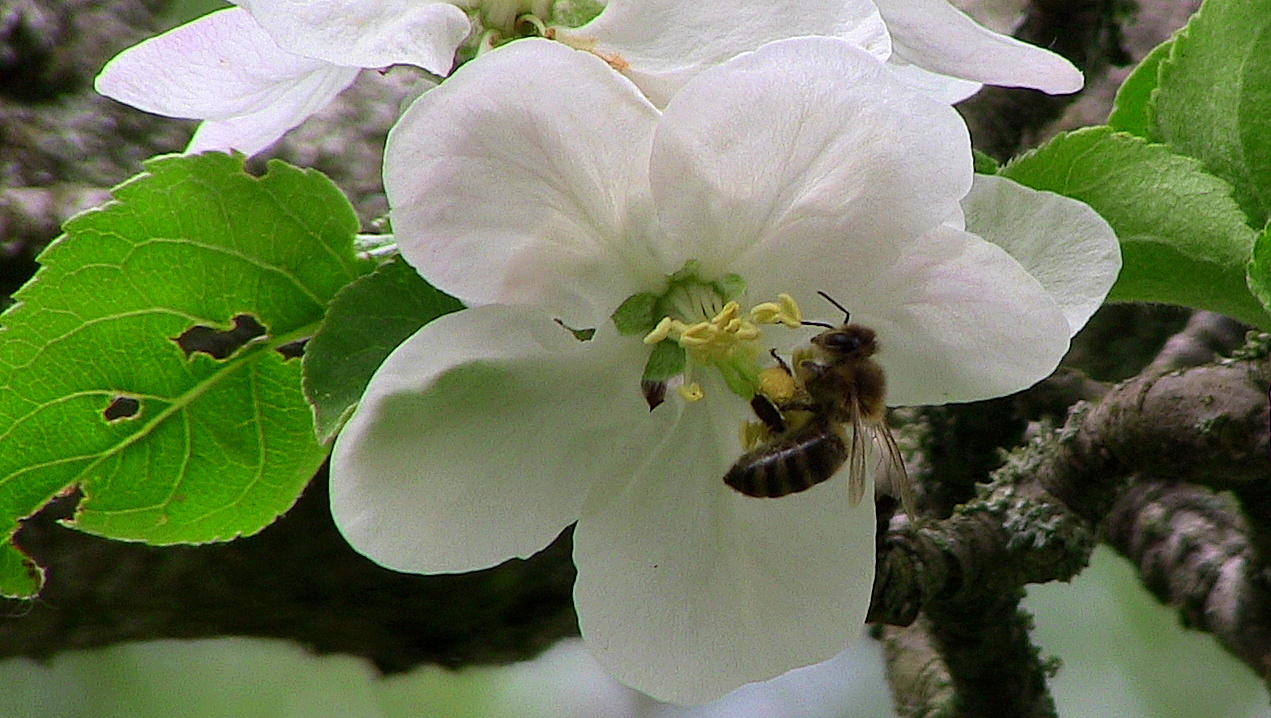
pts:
pixel 660 332
pixel 783 311
pixel 690 392
pixel 745 331
pixel 696 335
pixel 765 313
pixel 713 332
pixel 727 314
pixel 790 315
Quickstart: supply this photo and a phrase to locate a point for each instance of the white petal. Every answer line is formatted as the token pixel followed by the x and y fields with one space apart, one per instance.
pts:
pixel 796 149
pixel 523 179
pixel 957 319
pixel 252 132
pixel 944 88
pixel 224 68
pixel 479 438
pixel 357 33
pixel 661 44
pixel 937 36
pixel 1064 243
pixel 687 589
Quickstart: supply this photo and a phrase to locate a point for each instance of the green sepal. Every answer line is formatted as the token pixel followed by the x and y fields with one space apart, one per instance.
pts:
pixel 574 13
pixel 637 315
pixel 582 335
pixel 688 273
pixel 668 359
pixel 729 286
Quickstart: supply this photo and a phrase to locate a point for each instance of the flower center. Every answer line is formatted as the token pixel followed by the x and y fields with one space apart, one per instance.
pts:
pixel 697 324
pixel 496 22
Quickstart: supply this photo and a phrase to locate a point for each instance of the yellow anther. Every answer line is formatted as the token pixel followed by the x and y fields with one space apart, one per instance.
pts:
pixel 727 314
pixel 789 314
pixel 727 341
pixel 783 311
pixel 698 334
pixel 765 313
pixel 690 392
pixel 660 332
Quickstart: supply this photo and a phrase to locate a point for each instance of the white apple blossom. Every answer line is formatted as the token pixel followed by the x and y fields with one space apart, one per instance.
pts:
pixel 930 44
pixel 548 193
pixel 942 51
pixel 254 72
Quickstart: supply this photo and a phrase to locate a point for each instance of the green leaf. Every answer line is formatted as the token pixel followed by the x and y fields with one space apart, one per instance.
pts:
pixel 19 576
pixel 984 164
pixel 366 322
pixel 1183 238
pixel 109 376
pixel 1131 111
pixel 1260 268
pixel 1214 101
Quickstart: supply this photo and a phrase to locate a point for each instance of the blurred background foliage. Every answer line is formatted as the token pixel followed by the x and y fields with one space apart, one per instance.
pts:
pixel 1122 655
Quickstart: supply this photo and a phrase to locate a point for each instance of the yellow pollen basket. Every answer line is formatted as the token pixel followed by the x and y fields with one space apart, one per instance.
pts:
pixel 776 384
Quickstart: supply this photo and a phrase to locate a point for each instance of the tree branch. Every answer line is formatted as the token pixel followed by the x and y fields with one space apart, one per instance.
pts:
pixel 1038 518
pixel 1192 552
pixel 298 579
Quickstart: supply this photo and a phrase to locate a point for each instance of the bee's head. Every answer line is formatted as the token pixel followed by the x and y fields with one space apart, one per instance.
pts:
pixel 850 341
pixel 846 341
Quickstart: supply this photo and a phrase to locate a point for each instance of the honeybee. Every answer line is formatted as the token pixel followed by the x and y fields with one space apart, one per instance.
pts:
pixel 801 438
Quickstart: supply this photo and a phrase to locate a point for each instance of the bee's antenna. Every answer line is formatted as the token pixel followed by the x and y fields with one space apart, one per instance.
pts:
pixel 823 325
pixel 847 316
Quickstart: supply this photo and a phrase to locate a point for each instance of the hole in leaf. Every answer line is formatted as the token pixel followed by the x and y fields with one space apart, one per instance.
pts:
pixel 122 407
pixel 293 350
pixel 582 335
pixel 220 343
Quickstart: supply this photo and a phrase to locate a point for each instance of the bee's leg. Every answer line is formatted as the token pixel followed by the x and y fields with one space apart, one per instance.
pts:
pixel 768 413
pixel 797 404
pixel 781 362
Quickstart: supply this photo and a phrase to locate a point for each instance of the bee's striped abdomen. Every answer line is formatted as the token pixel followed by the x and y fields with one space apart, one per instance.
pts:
pixel 795 463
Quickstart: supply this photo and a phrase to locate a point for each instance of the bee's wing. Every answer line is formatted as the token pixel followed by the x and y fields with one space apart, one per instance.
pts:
pixel 891 457
pixel 857 451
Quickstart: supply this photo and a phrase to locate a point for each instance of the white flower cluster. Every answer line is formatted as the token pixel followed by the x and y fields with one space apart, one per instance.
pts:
pixel 649 174
pixel 253 72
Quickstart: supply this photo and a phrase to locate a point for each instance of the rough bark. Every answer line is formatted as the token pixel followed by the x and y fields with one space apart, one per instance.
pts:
pixel 298 579
pixel 1042 513
pixel 1193 551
